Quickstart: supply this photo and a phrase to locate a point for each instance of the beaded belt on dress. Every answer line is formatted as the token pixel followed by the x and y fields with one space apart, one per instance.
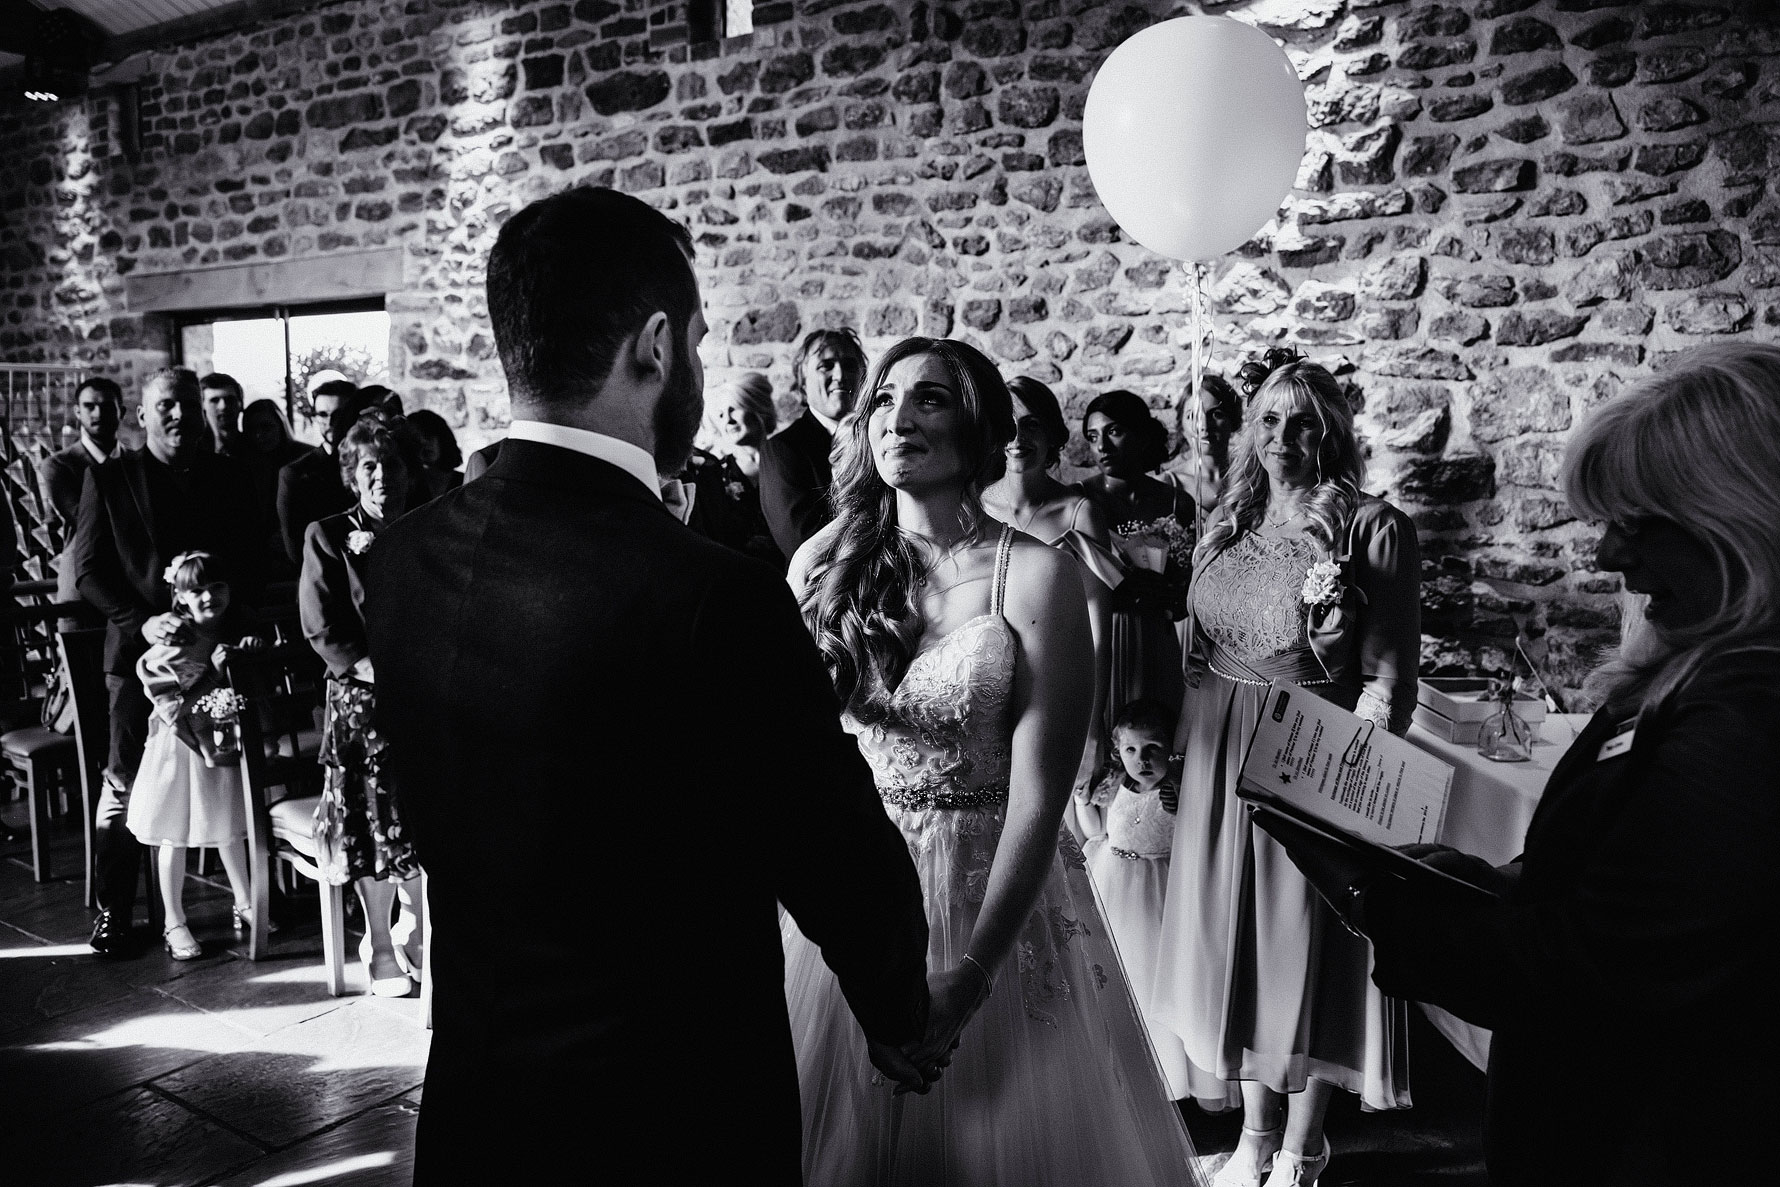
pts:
pixel 1128 855
pixel 1300 666
pixel 917 799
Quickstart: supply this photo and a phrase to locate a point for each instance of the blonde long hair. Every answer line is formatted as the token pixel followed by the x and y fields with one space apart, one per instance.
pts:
pixel 1281 379
pixel 1698 445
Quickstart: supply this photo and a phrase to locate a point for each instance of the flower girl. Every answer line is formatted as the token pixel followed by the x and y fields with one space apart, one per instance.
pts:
pixel 1128 859
pixel 180 800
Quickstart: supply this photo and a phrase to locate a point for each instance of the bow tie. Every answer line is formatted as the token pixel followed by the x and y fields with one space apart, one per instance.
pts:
pixel 678 498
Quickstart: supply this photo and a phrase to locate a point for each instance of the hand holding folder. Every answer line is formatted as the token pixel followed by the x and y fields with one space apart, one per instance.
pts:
pixel 1351 802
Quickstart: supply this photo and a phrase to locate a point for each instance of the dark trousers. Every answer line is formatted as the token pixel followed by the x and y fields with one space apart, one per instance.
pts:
pixel 117 854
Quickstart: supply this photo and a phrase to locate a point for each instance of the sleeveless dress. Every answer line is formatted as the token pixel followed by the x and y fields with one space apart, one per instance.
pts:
pixel 1129 866
pixel 1053 1081
pixel 1146 656
pixel 1254 972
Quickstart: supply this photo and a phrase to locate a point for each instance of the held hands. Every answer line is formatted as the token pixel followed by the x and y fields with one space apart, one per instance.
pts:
pixel 956 995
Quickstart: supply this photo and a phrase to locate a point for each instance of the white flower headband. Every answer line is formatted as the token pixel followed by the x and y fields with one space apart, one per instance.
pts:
pixel 174 566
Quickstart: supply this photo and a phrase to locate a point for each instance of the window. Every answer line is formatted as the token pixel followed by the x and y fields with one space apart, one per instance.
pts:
pixel 275 352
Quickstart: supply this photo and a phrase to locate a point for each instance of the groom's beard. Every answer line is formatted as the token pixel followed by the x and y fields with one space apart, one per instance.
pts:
pixel 678 413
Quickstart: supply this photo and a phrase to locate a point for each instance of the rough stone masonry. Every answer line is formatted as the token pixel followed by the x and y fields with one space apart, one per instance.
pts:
pixel 1509 209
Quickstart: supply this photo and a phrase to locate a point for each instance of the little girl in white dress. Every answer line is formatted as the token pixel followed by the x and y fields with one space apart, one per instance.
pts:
pixel 1128 861
pixel 178 802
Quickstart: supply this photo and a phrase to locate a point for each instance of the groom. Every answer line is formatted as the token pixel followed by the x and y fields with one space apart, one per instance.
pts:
pixel 615 748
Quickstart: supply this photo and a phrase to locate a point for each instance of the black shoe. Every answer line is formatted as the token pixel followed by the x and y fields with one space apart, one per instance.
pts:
pixel 111 935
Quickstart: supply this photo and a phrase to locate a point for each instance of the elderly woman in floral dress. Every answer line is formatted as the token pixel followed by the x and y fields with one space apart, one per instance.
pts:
pixel 1301 577
pixel 358 828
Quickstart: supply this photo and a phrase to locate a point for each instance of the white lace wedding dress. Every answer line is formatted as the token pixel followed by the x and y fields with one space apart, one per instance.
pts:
pixel 1054 1081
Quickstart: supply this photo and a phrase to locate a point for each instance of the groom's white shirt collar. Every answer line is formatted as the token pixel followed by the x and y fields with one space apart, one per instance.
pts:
pixel 632 459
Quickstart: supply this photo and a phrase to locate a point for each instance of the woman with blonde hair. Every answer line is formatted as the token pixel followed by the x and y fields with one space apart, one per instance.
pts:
pixel 1302 577
pixel 725 469
pixel 1624 962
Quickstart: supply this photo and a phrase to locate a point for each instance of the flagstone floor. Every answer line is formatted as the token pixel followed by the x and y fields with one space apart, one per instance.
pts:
pixel 229 1072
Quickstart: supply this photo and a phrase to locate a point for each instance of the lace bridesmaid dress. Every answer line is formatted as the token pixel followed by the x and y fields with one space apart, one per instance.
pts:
pixel 1054 1082
pixel 1254 973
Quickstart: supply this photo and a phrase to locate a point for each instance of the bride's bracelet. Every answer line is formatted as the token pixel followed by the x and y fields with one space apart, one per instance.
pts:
pixel 988 981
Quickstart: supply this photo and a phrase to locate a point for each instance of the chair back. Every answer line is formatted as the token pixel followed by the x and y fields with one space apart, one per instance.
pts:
pixel 82 653
pixel 274 766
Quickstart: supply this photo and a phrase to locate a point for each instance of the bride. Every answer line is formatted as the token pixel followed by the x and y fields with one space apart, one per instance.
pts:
pixel 961 653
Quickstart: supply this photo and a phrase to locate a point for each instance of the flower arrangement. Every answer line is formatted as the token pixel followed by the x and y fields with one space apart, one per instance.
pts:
pixel 222 705
pixel 359 542
pixel 1156 544
pixel 1322 584
pixel 172 569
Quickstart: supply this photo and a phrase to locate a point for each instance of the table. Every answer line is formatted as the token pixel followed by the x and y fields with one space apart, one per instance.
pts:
pixel 1487 813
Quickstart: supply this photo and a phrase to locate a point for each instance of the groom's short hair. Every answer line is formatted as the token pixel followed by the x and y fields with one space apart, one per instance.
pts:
pixel 574 275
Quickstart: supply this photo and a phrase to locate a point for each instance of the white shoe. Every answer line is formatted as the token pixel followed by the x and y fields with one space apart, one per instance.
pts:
pixel 1245 1170
pixel 397 986
pixel 1298 1170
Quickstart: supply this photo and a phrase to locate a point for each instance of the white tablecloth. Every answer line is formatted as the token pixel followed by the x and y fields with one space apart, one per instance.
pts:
pixel 1487 814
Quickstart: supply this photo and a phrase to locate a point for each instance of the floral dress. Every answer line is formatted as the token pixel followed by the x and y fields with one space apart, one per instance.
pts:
pixel 358 824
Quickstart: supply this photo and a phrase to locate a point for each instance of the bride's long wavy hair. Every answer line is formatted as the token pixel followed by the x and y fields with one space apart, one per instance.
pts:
pixel 861 600
pixel 1281 379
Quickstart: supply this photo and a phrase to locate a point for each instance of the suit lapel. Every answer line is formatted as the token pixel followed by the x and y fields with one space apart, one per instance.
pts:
pixel 136 478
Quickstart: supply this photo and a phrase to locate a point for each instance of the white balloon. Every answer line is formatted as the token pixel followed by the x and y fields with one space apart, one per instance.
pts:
pixel 1194 130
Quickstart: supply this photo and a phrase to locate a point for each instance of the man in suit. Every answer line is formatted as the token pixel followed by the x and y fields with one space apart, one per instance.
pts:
pixel 98 411
pixel 137 512
pixel 795 470
pixel 221 398
pixel 553 651
pixel 310 487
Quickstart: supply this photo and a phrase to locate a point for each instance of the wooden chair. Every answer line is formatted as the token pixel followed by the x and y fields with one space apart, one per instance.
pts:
pixel 83 657
pixel 280 779
pixel 46 761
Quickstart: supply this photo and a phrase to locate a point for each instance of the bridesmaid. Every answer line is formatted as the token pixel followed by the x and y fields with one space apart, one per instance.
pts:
pixel 1205 426
pixel 1254 973
pixel 1029 498
pixel 1127 442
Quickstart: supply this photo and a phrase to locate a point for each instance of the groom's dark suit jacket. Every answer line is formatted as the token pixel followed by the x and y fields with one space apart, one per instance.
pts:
pixel 615 748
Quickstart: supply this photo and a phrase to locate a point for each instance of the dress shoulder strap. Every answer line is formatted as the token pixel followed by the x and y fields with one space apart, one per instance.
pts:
pixel 1003 550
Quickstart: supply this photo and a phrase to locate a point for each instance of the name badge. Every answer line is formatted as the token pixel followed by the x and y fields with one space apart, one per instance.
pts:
pixel 1620 742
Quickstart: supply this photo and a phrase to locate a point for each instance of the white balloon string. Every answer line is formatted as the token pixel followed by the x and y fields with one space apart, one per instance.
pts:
pixel 1195 405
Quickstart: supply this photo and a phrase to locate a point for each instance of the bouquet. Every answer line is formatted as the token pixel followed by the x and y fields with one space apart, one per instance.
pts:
pixel 1160 556
pixel 220 743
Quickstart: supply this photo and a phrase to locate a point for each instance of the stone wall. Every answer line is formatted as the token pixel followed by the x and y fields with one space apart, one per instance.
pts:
pixel 1509 209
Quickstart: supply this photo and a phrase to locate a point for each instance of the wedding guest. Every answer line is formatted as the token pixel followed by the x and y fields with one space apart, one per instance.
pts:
pixel 180 799
pixel 1204 425
pixel 438 452
pixel 359 834
pixel 1631 945
pixel 136 513
pixel 550 642
pixel 98 411
pixel 268 447
pixel 222 400
pixel 309 487
pixel 795 466
pixel 958 649
pixel 1253 973
pixel 1152 525
pixel 1127 857
pixel 1030 498
pixel 739 417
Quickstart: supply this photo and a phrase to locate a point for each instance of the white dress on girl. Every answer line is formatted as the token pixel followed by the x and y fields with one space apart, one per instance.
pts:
pixel 1053 1082
pixel 1129 865
pixel 176 799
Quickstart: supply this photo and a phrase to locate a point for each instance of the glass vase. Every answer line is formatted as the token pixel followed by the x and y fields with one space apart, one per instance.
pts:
pixel 1506 736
